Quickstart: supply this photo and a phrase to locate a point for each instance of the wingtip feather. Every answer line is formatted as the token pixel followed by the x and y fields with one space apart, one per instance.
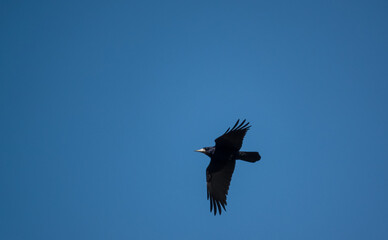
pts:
pixel 219 207
pixel 233 128
pixel 214 207
pixel 242 123
pixel 223 205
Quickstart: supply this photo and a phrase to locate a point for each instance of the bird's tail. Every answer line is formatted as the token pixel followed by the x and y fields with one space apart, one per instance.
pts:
pixel 249 156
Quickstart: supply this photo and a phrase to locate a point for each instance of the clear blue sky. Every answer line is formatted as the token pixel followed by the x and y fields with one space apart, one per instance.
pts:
pixel 103 103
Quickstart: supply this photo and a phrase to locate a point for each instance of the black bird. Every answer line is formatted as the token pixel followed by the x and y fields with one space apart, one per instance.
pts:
pixel 222 161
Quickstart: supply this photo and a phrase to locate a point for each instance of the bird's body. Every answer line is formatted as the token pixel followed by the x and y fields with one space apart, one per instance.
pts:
pixel 223 158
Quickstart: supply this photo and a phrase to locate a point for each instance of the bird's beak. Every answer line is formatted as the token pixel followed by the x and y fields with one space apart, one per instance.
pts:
pixel 202 150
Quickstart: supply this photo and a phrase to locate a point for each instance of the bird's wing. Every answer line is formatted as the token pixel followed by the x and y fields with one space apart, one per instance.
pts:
pixel 233 138
pixel 218 185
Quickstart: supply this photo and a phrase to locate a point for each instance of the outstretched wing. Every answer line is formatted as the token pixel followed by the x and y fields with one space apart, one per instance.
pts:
pixel 218 181
pixel 233 138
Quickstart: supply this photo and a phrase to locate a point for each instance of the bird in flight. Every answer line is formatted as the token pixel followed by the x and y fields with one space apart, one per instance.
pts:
pixel 223 158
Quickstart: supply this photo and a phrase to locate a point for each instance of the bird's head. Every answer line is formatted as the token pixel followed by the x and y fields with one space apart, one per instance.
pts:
pixel 209 151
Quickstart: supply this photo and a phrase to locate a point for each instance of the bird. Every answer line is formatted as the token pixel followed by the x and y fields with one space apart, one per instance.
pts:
pixel 223 158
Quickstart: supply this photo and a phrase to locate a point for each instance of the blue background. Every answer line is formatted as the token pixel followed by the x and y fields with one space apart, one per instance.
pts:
pixel 103 103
